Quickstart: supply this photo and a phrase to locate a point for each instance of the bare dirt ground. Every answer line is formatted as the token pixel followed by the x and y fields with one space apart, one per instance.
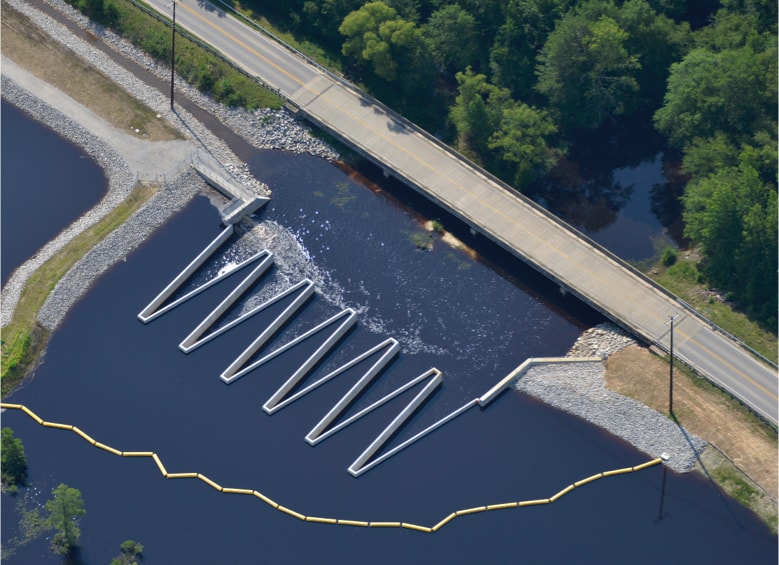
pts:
pixel 707 412
pixel 29 47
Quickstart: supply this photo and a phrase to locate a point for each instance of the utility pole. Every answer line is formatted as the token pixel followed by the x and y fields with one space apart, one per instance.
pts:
pixel 671 369
pixel 173 54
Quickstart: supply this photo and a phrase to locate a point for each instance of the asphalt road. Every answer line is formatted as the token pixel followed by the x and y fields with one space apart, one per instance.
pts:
pixel 510 220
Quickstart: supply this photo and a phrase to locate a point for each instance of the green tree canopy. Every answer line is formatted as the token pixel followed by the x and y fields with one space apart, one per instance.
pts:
pixel 522 140
pixel 586 70
pixel 14 462
pixel 131 553
pixel 733 92
pixel 477 110
pixel 523 33
pixel 733 214
pixel 64 510
pixel 322 16
pixel 657 41
pixel 603 60
pixel 375 34
pixel 451 34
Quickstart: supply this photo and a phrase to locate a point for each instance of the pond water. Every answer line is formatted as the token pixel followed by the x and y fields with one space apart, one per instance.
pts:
pixel 617 192
pixel 473 316
pixel 38 167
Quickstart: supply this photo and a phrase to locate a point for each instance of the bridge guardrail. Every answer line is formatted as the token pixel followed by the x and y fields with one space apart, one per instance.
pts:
pixel 202 44
pixel 478 170
pixel 492 178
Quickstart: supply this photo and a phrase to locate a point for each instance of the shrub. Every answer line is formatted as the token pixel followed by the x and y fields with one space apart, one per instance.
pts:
pixel 14 462
pixel 685 271
pixel 668 257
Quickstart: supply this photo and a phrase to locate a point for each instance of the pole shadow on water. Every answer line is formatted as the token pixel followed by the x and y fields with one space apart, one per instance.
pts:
pixel 662 496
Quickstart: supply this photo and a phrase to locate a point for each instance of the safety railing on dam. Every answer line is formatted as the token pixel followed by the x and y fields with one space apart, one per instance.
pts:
pixel 242 200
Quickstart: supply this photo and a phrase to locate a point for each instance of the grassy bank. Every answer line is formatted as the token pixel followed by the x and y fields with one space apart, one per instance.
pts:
pixel 24 340
pixel 196 63
pixel 32 49
pixel 332 61
pixel 683 279
pixel 744 462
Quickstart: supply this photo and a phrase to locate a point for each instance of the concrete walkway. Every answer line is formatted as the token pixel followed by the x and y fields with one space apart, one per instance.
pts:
pixel 148 158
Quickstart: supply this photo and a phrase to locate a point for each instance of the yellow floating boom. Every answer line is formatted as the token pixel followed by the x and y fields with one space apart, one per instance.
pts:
pixel 334 521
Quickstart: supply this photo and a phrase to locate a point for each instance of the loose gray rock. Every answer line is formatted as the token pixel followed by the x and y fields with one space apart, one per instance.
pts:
pixel 579 388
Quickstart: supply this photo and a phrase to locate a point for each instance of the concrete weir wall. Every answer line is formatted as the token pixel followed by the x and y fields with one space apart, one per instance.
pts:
pixel 516 374
pixel 347 319
pixel 336 327
pixel 153 309
pixel 194 340
pixel 359 465
pixel 234 371
pixel 375 369
pixel 318 434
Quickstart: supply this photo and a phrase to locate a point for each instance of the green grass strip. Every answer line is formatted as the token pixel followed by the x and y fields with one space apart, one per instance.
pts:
pixel 24 340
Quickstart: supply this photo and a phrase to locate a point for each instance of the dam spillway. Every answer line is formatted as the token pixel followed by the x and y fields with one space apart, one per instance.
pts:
pixel 295 296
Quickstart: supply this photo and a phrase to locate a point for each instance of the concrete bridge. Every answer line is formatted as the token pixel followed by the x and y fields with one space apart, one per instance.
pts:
pixel 491 207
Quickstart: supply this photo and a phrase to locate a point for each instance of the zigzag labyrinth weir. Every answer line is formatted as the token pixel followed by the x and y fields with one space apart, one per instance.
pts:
pixel 337 326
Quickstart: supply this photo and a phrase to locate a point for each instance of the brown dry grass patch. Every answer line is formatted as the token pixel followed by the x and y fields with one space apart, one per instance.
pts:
pixel 28 46
pixel 703 410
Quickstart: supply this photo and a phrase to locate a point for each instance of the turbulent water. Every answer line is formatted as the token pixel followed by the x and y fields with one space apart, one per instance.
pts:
pixel 474 315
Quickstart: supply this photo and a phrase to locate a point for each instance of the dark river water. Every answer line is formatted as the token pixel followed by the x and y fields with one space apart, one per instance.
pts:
pixel 39 167
pixel 474 317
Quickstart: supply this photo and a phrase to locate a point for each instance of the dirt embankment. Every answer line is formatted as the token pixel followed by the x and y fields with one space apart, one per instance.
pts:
pixel 709 413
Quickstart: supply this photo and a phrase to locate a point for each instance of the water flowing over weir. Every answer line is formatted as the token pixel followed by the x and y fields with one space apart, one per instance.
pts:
pixel 337 325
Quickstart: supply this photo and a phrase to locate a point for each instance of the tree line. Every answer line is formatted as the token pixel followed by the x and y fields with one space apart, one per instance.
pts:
pixel 511 82
pixel 62 510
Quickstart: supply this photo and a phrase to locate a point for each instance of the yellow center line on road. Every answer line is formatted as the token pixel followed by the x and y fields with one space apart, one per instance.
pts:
pixel 355 118
pixel 241 43
pixel 528 234
pixel 434 170
pixel 470 193
pixel 719 358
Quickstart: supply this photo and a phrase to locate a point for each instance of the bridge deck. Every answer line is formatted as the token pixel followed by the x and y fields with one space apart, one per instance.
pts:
pixel 490 207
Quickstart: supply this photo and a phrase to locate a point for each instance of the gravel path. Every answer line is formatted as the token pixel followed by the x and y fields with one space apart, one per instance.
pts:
pixel 580 389
pixel 120 184
pixel 126 158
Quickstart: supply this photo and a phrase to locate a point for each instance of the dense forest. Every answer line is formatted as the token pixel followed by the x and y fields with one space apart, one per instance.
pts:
pixel 516 85
pixel 513 84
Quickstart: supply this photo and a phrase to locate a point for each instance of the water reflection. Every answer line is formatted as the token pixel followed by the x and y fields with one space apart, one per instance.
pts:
pixel 47 183
pixel 128 386
pixel 621 189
